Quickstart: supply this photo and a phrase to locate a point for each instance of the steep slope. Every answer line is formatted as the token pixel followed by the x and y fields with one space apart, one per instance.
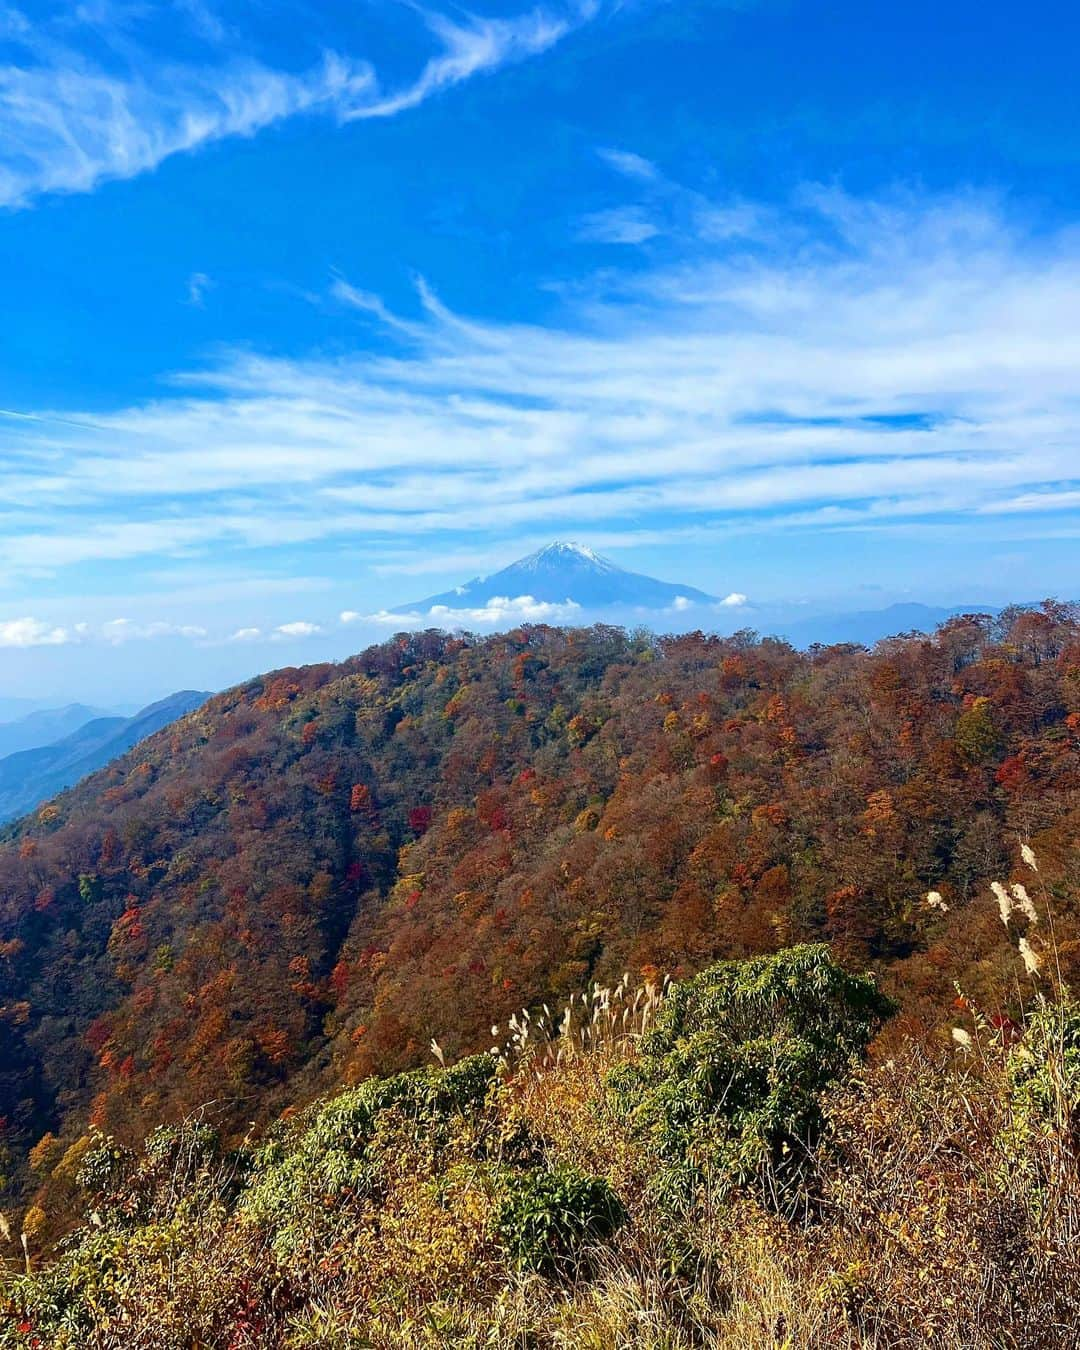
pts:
pixel 560 573
pixel 32 776
pixel 309 876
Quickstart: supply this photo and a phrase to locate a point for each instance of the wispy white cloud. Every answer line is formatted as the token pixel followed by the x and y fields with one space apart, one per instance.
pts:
pixel 497 612
pixel 629 164
pixel 472 46
pixel 888 361
pixel 70 119
pixel 682 604
pixel 31 632
pixel 204 19
pixel 117 631
pixel 301 628
pixel 1035 502
pixel 28 632
pixel 67 125
pixel 198 284
pixel 371 304
pixel 619 225
pixel 716 223
pixel 666 206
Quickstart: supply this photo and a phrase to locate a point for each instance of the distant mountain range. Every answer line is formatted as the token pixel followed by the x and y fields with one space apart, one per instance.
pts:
pixel 564 573
pixel 590 586
pixel 13 708
pixel 42 726
pixel 868 626
pixel 31 776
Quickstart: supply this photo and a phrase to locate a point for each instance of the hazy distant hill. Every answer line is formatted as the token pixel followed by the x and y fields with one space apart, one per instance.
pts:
pixel 32 776
pixel 12 708
pixel 560 573
pixel 45 725
pixel 871 625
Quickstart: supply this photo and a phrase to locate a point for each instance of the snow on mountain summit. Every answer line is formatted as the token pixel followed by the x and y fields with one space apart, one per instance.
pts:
pixel 567 554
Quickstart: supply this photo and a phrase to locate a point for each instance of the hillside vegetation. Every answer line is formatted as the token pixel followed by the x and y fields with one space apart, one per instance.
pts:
pixel 702 1164
pixel 301 883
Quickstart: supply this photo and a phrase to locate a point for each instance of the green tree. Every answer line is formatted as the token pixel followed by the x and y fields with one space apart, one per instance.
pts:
pixel 727 1090
pixel 976 734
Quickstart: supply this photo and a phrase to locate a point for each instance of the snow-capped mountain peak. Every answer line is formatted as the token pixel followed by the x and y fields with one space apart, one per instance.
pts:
pixel 564 573
pixel 567 555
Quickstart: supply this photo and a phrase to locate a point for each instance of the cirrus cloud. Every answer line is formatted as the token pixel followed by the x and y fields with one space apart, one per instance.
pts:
pixel 75 113
pixel 868 364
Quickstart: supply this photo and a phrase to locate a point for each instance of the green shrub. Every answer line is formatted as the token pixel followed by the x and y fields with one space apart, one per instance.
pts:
pixel 91 888
pixel 1043 1077
pixel 126 1188
pixel 306 1169
pixel 545 1220
pixel 727 1089
pixel 71 1298
pixel 104 1165
pixel 191 1144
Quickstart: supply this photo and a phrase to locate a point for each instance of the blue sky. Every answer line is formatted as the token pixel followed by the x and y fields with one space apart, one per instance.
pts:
pixel 311 309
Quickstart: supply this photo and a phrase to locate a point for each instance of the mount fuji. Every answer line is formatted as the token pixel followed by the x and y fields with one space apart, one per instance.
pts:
pixel 568 575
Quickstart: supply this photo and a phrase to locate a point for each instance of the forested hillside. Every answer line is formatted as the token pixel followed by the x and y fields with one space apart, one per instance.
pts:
pixel 305 880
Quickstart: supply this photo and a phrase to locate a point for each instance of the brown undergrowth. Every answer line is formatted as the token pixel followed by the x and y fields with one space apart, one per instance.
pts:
pixel 656 1167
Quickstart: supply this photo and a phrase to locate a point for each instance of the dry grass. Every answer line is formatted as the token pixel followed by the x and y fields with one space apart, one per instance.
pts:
pixel 945 1215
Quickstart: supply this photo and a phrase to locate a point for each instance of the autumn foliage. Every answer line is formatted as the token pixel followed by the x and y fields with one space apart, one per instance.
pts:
pixel 299 884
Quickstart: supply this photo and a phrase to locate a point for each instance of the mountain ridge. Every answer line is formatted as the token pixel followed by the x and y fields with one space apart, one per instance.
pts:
pixel 42 726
